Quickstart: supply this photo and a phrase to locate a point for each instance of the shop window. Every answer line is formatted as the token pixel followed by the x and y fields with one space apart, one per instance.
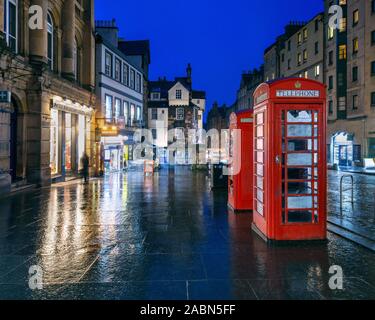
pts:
pixel 68 141
pixel 54 140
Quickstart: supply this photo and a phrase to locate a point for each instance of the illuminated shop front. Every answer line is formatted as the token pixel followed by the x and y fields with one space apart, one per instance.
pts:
pixel 118 150
pixel 69 136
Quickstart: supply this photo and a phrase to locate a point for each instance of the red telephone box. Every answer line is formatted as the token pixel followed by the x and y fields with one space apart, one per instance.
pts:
pixel 290 167
pixel 240 187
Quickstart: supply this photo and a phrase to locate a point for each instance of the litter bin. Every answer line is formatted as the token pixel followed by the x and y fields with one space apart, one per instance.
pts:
pixel 218 180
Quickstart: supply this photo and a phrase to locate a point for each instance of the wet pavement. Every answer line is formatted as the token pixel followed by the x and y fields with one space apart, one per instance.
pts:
pixel 161 237
pixel 361 215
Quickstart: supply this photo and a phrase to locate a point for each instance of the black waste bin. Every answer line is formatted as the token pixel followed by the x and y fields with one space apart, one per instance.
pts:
pixel 218 179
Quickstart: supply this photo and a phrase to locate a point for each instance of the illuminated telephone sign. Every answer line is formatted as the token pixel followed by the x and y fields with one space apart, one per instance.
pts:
pixel 290 161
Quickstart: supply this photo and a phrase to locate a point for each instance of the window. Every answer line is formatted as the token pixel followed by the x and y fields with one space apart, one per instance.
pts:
pixel 355 17
pixel 117 108
pixel 10 24
pixel 154 114
pixel 316 25
pixel 330 82
pixel 330 58
pixel 76 61
pixel 355 102
pixel 155 96
pixel 304 55
pixel 126 111
pixel 299 37
pixel 372 99
pixel 317 70
pixel 342 103
pixel 289 45
pixel 132 113
pixel 355 74
pixel 139 83
pixel 178 94
pixel 125 74
pixel 342 52
pixel 289 64
pixel 316 47
pixel 373 6
pixel 50 41
pixel 330 33
pixel 283 57
pixel 118 69
pixel 139 113
pixel 154 134
pixel 108 108
pixel 305 34
pixel 108 64
pixel 330 107
pixel 180 114
pixel 299 59
pixel 355 45
pixel 342 24
pixel 373 68
pixel 373 37
pixel 132 79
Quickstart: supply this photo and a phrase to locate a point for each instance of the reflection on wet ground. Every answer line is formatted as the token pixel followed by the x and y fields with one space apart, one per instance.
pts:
pixel 362 214
pixel 161 237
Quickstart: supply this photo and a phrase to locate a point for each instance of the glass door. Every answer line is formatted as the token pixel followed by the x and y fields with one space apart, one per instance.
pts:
pixel 300 174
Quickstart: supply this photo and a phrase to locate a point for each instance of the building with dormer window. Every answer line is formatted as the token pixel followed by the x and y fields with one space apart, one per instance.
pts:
pixel 174 104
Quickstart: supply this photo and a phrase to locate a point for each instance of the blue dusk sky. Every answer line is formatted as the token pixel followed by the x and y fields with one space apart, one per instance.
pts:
pixel 221 39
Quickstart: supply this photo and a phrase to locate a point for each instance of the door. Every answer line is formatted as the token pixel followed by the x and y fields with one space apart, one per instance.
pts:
pixel 299 148
pixel 343 156
pixel 13 143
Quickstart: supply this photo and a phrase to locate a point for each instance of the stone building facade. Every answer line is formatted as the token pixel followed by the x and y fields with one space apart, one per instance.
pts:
pixel 350 79
pixel 249 82
pixel 302 54
pixel 46 121
pixel 174 104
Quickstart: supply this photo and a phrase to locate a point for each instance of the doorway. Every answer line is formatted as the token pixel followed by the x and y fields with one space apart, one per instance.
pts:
pixel 13 141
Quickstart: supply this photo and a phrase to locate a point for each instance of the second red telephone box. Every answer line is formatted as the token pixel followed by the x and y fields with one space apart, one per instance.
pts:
pixel 290 164
pixel 240 188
